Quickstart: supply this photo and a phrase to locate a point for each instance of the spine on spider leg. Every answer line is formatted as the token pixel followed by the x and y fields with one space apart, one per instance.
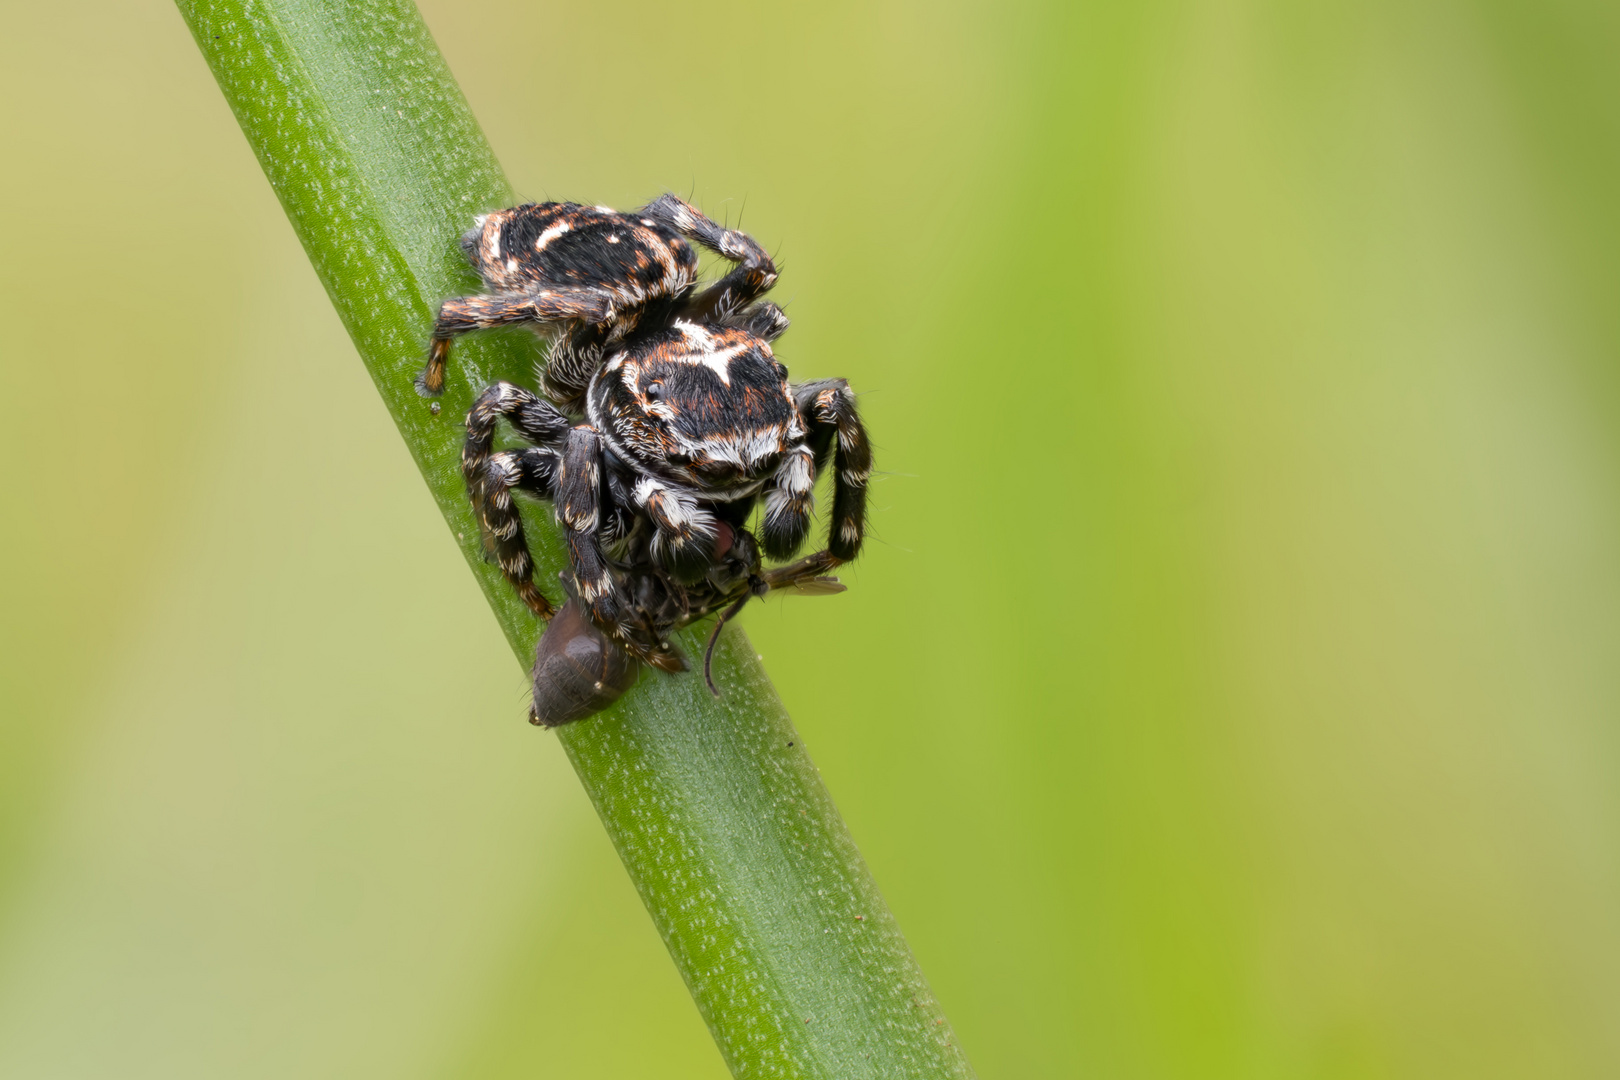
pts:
pixel 744 865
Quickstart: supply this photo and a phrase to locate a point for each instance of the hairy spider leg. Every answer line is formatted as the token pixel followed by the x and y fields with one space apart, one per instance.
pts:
pixel 790 499
pixel 763 319
pixel 491 478
pixel 750 279
pixel 581 492
pixel 573 358
pixel 532 417
pixel 828 406
pixel 532 470
pixel 549 305
pixel 579 499
pixel 684 532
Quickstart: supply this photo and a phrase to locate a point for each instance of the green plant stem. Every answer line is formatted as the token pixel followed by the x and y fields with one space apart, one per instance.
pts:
pixel 715 807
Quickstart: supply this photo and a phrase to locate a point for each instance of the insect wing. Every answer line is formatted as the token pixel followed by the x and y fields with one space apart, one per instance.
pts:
pixel 819 586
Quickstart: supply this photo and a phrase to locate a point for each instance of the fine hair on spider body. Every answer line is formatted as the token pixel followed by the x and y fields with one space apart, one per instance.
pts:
pixel 662 421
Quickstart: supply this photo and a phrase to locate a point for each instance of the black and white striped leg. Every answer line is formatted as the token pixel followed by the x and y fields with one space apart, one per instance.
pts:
pixel 684 532
pixel 466 313
pixel 533 470
pixel 581 494
pixel 750 279
pixel 534 419
pixel 579 509
pixel 828 407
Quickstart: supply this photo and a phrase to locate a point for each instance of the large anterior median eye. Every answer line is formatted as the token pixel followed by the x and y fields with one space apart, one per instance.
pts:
pixel 653 391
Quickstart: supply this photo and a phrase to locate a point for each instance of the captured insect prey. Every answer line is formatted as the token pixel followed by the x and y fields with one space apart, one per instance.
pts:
pixel 577 670
pixel 661 421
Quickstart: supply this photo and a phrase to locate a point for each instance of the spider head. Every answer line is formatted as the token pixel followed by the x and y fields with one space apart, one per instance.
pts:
pixel 708 407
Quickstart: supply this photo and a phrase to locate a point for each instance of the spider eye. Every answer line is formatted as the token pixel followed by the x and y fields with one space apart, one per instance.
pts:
pixel 781 371
pixel 654 391
pixel 678 459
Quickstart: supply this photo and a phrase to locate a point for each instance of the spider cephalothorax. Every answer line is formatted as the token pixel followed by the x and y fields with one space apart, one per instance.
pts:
pixel 665 418
pixel 705 406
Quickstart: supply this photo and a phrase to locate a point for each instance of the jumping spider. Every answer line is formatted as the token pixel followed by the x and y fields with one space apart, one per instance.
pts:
pixel 664 418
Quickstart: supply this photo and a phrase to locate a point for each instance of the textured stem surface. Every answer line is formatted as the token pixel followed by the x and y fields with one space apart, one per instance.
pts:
pixel 714 806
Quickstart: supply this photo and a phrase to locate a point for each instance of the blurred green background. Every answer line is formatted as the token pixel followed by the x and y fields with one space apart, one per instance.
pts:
pixel 1231 689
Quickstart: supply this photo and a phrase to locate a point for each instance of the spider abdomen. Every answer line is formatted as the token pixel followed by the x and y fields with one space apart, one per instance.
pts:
pixel 566 244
